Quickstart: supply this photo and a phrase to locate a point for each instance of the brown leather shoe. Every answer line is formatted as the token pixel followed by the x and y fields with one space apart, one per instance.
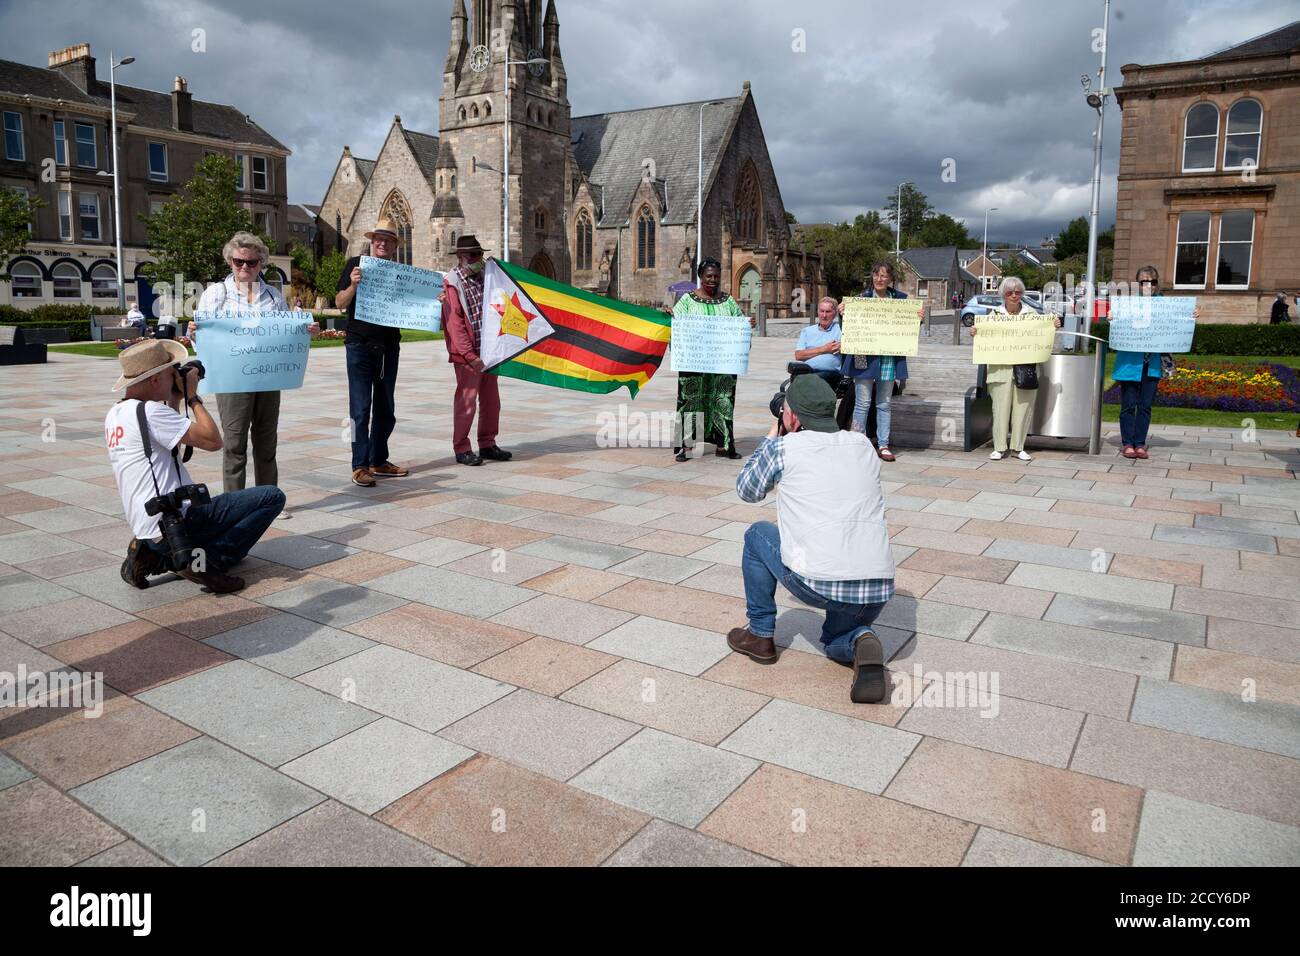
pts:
pixel 363 477
pixel 214 582
pixel 761 649
pixel 869 683
pixel 388 470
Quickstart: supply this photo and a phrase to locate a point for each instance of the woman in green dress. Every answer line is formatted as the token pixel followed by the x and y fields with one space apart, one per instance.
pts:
pixel 702 396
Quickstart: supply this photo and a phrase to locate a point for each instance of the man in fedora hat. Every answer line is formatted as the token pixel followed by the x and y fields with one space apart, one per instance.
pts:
pixel 223 529
pixel 371 352
pixel 463 314
pixel 831 547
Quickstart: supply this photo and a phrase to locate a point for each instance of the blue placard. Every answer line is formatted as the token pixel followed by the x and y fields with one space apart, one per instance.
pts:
pixel 252 351
pixel 399 296
pixel 718 344
pixel 1149 323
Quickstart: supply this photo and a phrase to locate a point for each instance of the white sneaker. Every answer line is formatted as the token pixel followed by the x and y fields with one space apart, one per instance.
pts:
pixel 1024 456
pixel 283 515
pixel 995 456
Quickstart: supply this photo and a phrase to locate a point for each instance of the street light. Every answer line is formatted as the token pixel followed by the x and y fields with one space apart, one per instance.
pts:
pixel 898 219
pixel 699 192
pixel 117 198
pixel 984 254
pixel 507 63
pixel 1096 100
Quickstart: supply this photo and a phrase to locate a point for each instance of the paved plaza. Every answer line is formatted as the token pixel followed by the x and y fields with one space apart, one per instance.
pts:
pixel 1097 661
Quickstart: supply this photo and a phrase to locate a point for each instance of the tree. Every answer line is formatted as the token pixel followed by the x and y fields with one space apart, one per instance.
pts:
pixel 304 266
pixel 1072 240
pixel 1032 276
pixel 789 218
pixel 328 272
pixel 916 210
pixel 849 251
pixel 17 212
pixel 941 230
pixel 187 234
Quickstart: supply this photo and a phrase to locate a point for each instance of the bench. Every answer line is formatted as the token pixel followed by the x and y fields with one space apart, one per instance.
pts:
pixel 49 336
pixel 16 350
pixel 111 333
pixel 98 323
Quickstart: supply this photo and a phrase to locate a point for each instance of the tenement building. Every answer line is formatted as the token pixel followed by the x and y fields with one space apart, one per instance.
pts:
pixel 58 148
pixel 1209 181
pixel 606 202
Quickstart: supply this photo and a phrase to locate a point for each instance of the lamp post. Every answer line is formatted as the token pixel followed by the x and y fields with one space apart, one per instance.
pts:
pixel 699 192
pixel 117 198
pixel 984 252
pixel 1097 101
pixel 507 63
pixel 898 217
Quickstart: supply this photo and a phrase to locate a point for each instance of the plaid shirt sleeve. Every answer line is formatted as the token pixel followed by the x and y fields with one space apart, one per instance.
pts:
pixel 762 471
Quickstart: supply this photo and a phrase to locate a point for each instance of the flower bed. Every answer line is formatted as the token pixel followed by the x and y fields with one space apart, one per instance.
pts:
pixel 1227 387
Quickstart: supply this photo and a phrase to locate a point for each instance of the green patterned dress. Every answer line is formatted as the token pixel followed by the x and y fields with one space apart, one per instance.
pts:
pixel 702 396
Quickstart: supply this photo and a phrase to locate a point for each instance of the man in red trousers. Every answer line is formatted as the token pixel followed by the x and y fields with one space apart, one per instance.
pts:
pixel 462 319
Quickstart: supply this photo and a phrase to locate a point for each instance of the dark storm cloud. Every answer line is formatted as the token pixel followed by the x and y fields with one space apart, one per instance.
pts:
pixel 882 92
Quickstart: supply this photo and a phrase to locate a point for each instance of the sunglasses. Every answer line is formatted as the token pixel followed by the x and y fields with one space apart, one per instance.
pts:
pixel 244 263
pixel 1015 292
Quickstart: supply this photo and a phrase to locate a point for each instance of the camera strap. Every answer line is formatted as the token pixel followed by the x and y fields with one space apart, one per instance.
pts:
pixel 143 421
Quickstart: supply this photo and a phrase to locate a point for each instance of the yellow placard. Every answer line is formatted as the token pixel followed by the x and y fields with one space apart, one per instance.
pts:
pixel 1011 340
pixel 880 327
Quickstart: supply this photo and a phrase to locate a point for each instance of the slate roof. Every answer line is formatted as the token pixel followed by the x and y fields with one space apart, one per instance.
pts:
pixel 609 148
pixel 425 149
pixel 364 168
pixel 1282 40
pixel 935 263
pixel 151 108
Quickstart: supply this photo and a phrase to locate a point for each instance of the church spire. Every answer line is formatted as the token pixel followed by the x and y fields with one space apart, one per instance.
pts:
pixel 551 26
pixel 459 44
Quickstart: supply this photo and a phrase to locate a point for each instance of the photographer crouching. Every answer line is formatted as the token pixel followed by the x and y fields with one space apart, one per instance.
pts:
pixel 831 549
pixel 177 527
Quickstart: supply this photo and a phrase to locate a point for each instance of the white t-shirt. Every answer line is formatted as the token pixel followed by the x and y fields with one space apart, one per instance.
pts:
pixel 126 452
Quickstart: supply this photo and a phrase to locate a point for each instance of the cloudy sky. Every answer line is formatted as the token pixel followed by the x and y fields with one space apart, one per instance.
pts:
pixel 881 92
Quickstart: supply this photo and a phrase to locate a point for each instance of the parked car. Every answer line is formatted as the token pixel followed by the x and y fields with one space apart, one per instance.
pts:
pixel 983 304
pixel 1034 298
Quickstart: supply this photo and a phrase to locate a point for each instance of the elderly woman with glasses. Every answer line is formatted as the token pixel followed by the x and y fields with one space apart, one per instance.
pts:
pixel 1011 404
pixel 243 413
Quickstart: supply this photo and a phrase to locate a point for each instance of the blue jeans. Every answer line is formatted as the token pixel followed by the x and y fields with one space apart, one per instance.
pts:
pixel 862 405
pixel 762 567
pixel 227 527
pixel 372 381
pixel 1135 410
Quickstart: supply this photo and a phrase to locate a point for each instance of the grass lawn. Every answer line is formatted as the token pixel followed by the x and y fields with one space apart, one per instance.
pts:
pixel 1209 418
pixel 110 349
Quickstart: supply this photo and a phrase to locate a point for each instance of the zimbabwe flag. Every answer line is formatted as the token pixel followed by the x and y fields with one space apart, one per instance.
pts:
pixel 597 344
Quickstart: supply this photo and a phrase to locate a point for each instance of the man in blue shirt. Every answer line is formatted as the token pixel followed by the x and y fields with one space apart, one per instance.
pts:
pixel 819 345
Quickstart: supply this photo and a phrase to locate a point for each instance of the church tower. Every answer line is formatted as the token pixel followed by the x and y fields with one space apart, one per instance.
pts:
pixel 472 124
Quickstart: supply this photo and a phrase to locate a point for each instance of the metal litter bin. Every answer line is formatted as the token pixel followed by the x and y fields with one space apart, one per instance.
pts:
pixel 1063 403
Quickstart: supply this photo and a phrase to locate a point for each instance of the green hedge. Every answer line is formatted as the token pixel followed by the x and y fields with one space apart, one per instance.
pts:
pixel 1235 339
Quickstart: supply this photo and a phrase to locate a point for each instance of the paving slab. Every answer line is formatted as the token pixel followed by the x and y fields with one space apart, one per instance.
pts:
pixel 1179 832
pixel 288 644
pixel 1258 724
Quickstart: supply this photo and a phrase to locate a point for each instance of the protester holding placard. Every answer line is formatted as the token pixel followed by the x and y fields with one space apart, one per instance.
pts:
pixel 874 375
pixel 705 396
pixel 475 389
pixel 245 413
pixel 819 344
pixel 1138 375
pixel 372 353
pixel 1011 403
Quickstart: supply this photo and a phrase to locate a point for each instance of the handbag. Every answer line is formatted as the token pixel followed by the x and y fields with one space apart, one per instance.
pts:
pixel 1167 365
pixel 1026 376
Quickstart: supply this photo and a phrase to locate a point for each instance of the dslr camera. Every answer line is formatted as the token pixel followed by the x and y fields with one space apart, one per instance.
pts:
pixel 793 369
pixel 168 508
pixel 183 370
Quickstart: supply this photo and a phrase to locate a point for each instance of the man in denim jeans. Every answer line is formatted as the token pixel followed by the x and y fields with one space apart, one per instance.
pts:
pixel 831 549
pixel 372 352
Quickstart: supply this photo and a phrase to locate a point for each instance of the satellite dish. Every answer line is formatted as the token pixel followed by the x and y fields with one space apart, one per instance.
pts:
pixel 536 69
pixel 479 58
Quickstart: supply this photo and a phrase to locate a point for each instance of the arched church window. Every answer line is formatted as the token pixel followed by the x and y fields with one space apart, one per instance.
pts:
pixel 462 114
pixel 539 219
pixel 396 209
pixel 582 240
pixel 749 205
pixel 487 108
pixel 645 239
pixel 473 111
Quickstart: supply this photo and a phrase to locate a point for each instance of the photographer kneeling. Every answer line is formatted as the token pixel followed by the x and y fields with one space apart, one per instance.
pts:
pixel 177 526
pixel 831 550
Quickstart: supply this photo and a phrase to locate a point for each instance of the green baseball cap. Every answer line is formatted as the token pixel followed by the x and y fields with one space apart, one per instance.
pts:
pixel 813 401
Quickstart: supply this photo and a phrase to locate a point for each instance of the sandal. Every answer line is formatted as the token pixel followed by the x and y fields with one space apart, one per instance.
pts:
pixel 1141 452
pixel 1130 451
pixel 885 454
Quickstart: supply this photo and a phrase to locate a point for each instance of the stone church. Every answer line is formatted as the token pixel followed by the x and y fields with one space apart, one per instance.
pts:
pixel 605 202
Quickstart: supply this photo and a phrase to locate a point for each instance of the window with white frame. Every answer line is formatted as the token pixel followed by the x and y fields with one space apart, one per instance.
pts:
pixel 25 280
pixel 1241 142
pixel 1236 237
pixel 155 205
pixel 65 216
pixel 261 174
pixel 14 147
pixel 158 162
pixel 67 281
pixel 1200 138
pixel 87 148
pixel 239 171
pixel 88 213
pixel 1193 250
pixel 60 144
pixel 103 282
pixel 922 288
